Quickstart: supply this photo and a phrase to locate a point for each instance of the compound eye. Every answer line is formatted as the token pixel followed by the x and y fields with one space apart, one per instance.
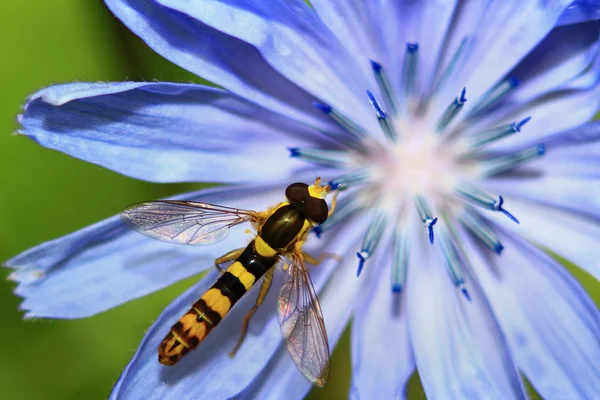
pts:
pixel 297 192
pixel 317 210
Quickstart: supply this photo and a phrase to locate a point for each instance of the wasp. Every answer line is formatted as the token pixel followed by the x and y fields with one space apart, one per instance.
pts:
pixel 281 231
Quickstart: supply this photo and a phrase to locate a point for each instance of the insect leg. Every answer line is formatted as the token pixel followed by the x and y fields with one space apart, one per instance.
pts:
pixel 333 203
pixel 230 256
pixel 316 261
pixel 264 289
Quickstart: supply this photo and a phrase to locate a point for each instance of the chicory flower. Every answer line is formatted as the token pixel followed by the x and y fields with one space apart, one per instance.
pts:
pixel 459 135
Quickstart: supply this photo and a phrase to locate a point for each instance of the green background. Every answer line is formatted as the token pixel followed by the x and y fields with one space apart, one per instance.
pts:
pixel 46 194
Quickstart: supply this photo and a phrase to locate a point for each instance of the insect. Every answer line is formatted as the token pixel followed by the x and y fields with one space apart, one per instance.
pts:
pixel 281 232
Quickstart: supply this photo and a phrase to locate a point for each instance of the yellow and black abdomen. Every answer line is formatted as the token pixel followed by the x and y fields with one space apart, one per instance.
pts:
pixel 213 306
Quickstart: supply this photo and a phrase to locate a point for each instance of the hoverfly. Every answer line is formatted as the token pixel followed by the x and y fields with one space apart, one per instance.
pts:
pixel 281 232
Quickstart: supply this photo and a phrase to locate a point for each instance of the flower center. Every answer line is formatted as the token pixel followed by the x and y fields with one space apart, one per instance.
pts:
pixel 421 164
pixel 426 167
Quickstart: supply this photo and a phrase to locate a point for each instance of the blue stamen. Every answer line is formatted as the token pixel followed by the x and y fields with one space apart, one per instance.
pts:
pixel 498 207
pixel 453 264
pixel 451 111
pixel 378 110
pixel 430 223
pixel 501 132
pixel 400 262
pixel 386 127
pixel 385 87
pixel 482 199
pixel 327 158
pixel 323 107
pixel 522 122
pixel 426 218
pixel 493 95
pixel 409 69
pixel 450 69
pixel 479 228
pixel 371 239
pixel 345 123
pixel 344 210
pixel 362 257
pixel 505 163
pixel 351 178
pixel 463 290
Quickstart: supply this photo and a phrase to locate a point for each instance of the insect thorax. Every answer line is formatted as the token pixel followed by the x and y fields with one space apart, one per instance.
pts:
pixel 283 226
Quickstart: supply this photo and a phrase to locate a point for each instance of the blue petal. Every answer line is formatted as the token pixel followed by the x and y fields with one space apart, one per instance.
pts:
pixel 218 57
pixel 503 33
pixel 106 264
pixel 551 324
pixel 576 137
pixel 164 132
pixel 208 372
pixel 572 193
pixel 381 354
pixel 458 346
pixel 294 41
pixel 581 162
pixel 588 78
pixel 570 235
pixel 358 26
pixel 563 55
pixel 281 379
pixel 580 11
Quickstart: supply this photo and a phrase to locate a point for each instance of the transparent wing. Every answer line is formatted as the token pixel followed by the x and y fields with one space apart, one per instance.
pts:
pixel 302 325
pixel 184 222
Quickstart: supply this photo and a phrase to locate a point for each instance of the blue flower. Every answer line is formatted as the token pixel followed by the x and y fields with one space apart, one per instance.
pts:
pixel 421 159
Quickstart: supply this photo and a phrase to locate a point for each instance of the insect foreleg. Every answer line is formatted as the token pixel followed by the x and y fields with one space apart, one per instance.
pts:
pixel 230 256
pixel 262 293
pixel 333 204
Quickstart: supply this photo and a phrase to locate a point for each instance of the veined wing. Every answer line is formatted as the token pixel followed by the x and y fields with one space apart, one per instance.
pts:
pixel 184 222
pixel 302 325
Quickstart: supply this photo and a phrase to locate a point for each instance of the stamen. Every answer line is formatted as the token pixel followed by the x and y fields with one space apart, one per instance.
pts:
pixel 501 132
pixel 479 228
pixel 493 95
pixel 400 261
pixel 385 87
pixel 451 111
pixel 386 127
pixel 326 158
pixel 425 214
pixel 482 199
pixel 409 69
pixel 344 209
pixel 501 164
pixel 351 178
pixel 345 123
pixel 453 265
pixel 371 240
pixel 450 69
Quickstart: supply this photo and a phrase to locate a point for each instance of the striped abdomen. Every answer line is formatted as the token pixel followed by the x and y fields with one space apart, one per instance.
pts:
pixel 211 308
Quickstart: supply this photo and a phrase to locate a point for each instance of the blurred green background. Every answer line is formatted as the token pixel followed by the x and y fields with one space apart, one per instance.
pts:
pixel 46 194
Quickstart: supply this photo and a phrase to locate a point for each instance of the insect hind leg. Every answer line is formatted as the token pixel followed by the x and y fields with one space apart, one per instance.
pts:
pixel 316 261
pixel 229 256
pixel 262 293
